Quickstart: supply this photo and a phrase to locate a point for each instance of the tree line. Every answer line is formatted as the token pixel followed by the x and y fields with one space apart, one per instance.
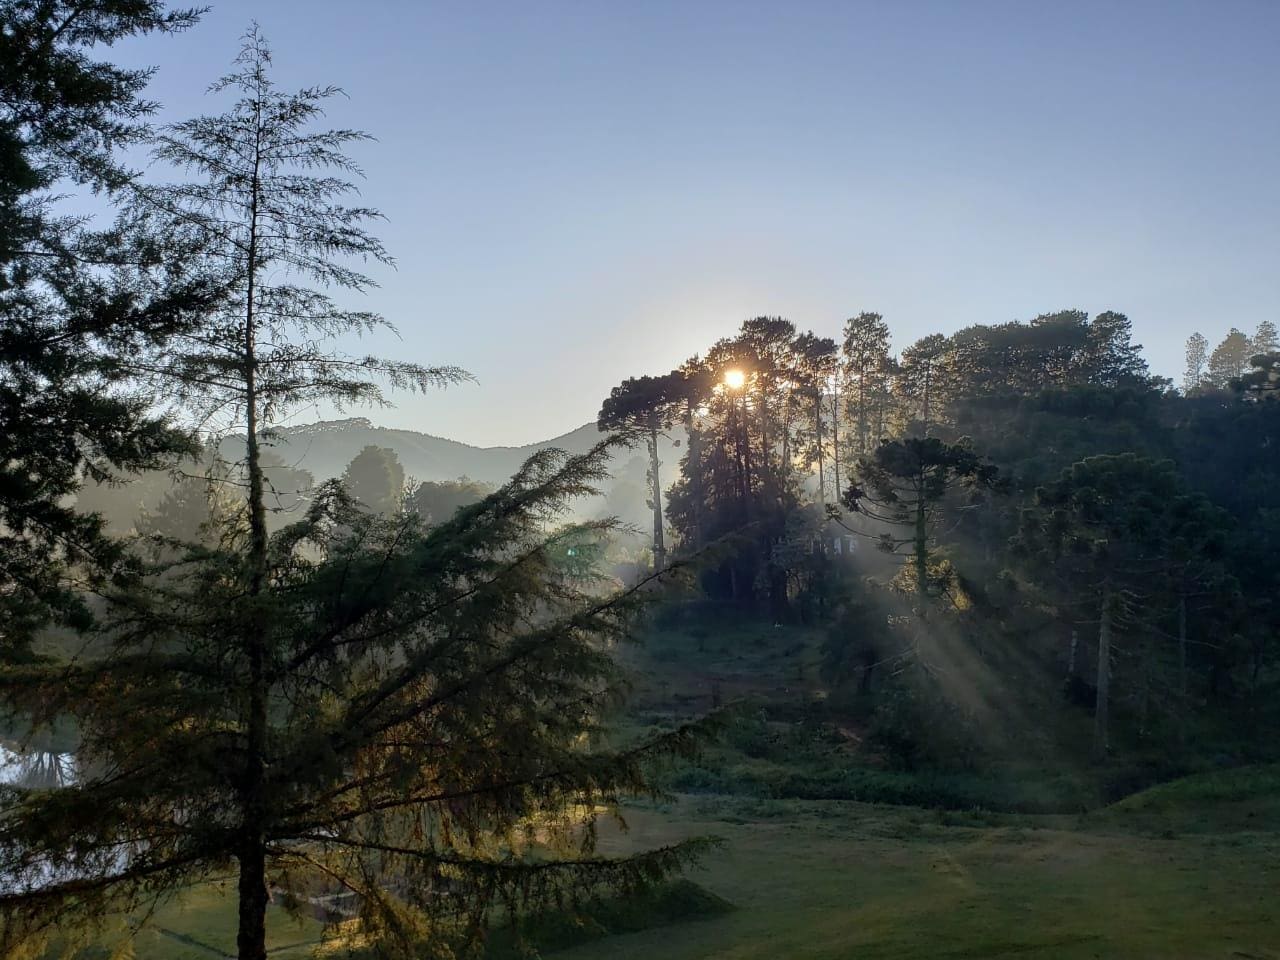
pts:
pixel 1032 478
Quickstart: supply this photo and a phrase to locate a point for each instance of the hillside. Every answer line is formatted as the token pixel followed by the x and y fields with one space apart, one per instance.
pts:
pixel 325 448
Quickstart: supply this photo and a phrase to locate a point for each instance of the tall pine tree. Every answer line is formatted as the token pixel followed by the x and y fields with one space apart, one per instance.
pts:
pixel 408 715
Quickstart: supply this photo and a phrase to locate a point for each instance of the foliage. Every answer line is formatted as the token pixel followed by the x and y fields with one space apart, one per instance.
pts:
pixel 375 479
pixel 69 334
pixel 437 502
pixel 904 484
pixel 358 701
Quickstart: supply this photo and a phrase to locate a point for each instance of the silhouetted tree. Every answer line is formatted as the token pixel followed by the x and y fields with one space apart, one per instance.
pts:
pixel 437 501
pixel 904 483
pixel 1262 380
pixel 1229 360
pixel 68 331
pixel 1111 531
pixel 259 223
pixel 648 406
pixel 375 479
pixel 1197 358
pixel 923 382
pixel 866 364
pixel 1265 339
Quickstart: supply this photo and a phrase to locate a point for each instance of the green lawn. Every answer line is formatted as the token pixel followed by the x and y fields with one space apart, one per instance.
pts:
pixel 828 880
pixel 1186 871
pixel 201 925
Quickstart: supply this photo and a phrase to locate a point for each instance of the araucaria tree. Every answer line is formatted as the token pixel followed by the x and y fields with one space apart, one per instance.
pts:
pixel 866 366
pixel 1119 537
pixel 905 483
pixel 646 406
pixel 402 713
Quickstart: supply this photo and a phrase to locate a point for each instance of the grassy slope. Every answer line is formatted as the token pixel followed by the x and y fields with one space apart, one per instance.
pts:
pixel 1187 870
pixel 1184 870
pixel 201 925
pixel 828 880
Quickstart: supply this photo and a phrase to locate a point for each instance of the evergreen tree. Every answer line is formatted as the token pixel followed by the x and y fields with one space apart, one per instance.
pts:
pixel 646 406
pixel 1197 355
pixel 375 479
pixel 196 510
pixel 1229 360
pixel 1110 533
pixel 1262 381
pixel 260 221
pixel 436 502
pixel 68 333
pixel 904 483
pixel 1264 340
pixel 816 366
pixel 924 382
pixel 866 364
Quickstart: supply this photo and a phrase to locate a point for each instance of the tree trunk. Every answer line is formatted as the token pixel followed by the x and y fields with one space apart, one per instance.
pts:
pixel 251 935
pixel 822 479
pixel 880 398
pixel 784 463
pixel 748 467
pixel 659 544
pixel 1100 718
pixel 1182 646
pixel 693 437
pixel 928 377
pixel 835 437
pixel 766 461
pixel 862 409
pixel 921 547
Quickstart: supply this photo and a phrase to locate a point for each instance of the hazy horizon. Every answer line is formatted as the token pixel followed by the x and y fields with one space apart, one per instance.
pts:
pixel 581 194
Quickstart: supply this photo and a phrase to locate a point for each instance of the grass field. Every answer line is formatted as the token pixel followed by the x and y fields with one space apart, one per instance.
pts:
pixel 1187 870
pixel 201 926
pixel 831 880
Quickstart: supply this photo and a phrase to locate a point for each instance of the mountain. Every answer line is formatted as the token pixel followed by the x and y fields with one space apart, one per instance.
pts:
pixel 325 448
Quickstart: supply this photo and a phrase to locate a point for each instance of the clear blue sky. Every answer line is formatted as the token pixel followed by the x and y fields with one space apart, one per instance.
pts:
pixel 578 192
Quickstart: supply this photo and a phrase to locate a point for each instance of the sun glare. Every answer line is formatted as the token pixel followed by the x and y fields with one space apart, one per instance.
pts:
pixel 734 379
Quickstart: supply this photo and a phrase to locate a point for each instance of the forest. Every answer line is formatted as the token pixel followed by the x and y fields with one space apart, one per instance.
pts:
pixel 821 643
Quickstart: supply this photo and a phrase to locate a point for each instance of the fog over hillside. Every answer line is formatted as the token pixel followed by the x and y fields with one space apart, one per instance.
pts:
pixel 325 448
pixel 319 451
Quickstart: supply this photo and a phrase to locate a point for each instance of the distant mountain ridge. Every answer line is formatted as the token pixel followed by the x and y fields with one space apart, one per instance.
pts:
pixel 326 447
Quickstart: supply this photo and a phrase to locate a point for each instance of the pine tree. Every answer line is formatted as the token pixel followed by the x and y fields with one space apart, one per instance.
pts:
pixel 817 362
pixel 866 361
pixel 1197 357
pixel 354 700
pixel 646 406
pixel 67 332
pixel 375 479
pixel 924 381
pixel 904 482
pixel 1264 340
pixel 1117 535
pixel 1229 360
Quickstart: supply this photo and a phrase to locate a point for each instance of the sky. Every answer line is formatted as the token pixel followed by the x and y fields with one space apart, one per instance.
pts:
pixel 580 192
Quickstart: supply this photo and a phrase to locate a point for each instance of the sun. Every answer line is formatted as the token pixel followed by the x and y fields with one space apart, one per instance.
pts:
pixel 734 379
